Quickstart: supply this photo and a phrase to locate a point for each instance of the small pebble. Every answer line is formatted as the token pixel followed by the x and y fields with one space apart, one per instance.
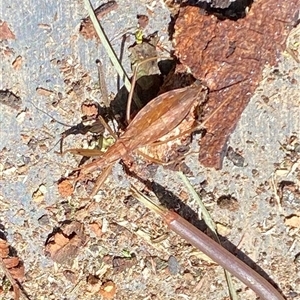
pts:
pixel 173 265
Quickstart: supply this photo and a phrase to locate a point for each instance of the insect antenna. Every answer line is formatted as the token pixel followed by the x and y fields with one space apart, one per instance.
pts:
pixel 47 114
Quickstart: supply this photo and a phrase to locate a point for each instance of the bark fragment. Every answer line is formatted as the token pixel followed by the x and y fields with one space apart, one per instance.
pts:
pixel 230 56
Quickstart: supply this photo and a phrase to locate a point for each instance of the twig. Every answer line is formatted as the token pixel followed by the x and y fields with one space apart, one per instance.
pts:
pixel 212 249
pixel 102 83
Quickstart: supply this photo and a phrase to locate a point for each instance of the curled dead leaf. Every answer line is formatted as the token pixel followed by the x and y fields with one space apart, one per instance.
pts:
pixel 13 264
pixel 64 245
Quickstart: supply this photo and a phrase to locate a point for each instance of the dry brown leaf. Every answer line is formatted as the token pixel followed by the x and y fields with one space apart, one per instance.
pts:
pixel 64 245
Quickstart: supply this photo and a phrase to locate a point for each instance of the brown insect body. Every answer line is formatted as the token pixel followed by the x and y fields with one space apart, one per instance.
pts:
pixel 155 120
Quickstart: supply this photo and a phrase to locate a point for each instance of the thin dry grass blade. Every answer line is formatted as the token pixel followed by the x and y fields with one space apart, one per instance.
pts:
pixel 111 53
pixel 212 226
pixel 105 42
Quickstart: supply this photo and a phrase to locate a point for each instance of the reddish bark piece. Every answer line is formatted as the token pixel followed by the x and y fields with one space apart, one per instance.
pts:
pixel 230 56
pixel 65 244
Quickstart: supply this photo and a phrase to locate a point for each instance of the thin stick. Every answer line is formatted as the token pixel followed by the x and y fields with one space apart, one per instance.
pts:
pixel 212 249
pixel 264 289
pixel 102 83
pixel 107 127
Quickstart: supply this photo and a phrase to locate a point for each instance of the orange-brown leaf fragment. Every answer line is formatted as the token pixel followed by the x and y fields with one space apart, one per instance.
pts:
pixel 11 262
pixel 108 290
pixel 64 245
pixel 5 32
pixel 90 109
pixel 229 57
pixel 65 188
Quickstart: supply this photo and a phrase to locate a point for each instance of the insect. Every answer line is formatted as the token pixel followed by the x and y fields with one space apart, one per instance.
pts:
pixel 155 120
